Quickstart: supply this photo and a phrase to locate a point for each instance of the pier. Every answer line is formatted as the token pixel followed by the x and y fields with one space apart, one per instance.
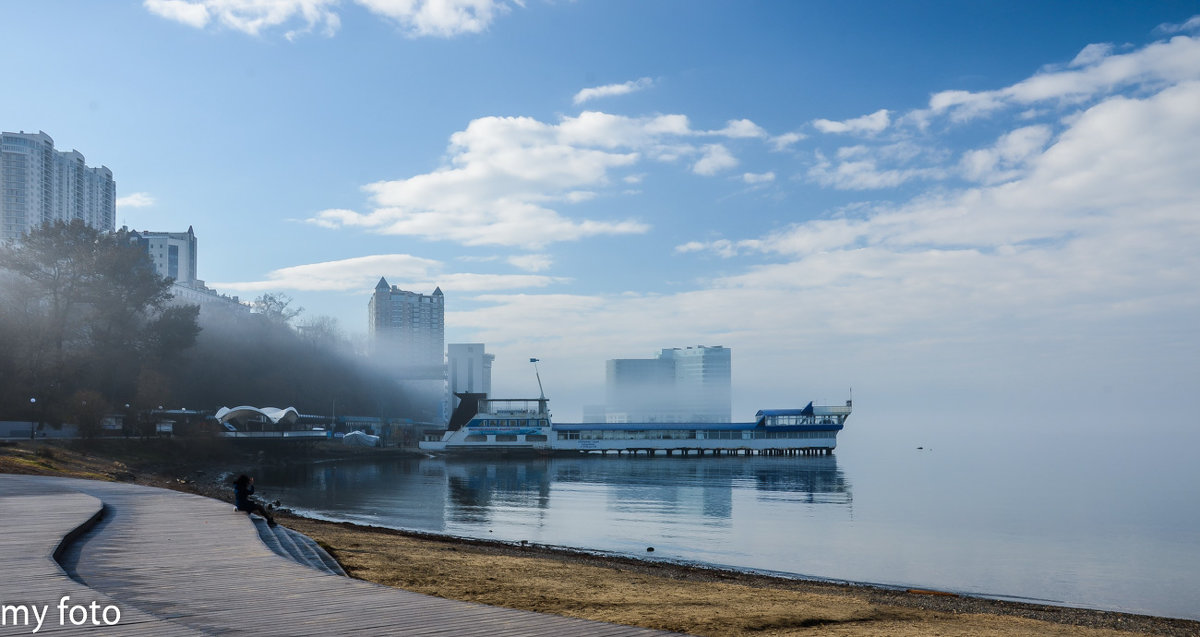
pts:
pixel 724 451
pixel 171 563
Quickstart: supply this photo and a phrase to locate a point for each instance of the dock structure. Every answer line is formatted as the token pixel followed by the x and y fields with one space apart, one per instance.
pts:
pixel 179 564
pixel 714 451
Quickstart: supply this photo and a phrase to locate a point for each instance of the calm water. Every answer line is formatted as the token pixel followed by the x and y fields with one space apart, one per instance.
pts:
pixel 1097 528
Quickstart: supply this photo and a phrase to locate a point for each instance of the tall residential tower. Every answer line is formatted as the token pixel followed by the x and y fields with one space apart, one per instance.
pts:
pixel 407 329
pixel 407 334
pixel 39 184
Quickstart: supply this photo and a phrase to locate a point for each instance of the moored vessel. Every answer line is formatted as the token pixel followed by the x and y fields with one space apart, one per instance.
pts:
pixel 524 426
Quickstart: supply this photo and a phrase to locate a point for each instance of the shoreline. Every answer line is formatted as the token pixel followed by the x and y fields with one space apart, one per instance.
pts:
pixel 663 594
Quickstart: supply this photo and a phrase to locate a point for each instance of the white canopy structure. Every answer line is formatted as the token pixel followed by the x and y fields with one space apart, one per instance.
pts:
pixel 274 414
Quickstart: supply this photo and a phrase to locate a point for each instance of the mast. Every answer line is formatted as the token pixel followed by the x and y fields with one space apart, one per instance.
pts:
pixel 541 394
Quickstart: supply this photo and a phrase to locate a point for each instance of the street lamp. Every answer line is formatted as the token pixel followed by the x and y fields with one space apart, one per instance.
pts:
pixel 32 427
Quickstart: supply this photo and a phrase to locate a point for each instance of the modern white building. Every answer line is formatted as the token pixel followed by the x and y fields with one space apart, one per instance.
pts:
pixel 690 384
pixel 468 369
pixel 173 255
pixel 39 184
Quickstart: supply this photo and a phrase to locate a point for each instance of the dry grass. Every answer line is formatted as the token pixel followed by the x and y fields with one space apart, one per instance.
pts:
pixel 673 598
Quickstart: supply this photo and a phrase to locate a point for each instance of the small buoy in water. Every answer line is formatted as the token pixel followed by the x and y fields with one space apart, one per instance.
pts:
pixel 920 448
pixel 649 549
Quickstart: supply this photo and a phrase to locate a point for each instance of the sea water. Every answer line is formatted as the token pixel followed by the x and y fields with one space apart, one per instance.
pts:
pixel 1105 526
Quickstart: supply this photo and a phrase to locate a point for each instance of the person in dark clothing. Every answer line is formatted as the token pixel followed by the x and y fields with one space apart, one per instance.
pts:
pixel 243 488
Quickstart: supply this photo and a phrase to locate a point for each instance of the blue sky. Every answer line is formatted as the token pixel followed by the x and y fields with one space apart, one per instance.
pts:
pixel 962 204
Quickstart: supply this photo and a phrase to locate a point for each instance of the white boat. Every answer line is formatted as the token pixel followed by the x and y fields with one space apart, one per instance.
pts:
pixel 496 426
pixel 523 426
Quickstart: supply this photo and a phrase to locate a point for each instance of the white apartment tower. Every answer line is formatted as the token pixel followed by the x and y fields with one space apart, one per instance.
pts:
pixel 39 184
pixel 468 369
pixel 690 384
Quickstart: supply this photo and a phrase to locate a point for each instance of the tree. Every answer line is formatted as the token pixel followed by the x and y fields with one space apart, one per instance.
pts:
pixel 88 407
pixel 276 308
pixel 89 313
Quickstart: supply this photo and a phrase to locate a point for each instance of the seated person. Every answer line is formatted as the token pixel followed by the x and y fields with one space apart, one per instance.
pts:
pixel 243 488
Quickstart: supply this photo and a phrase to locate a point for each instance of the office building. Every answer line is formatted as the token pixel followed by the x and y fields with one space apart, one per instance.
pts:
pixel 39 184
pixel 679 385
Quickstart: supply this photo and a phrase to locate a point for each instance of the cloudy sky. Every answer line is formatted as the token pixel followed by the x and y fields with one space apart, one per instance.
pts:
pixel 962 210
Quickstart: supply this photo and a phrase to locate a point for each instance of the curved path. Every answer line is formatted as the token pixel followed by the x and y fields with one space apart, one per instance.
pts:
pixel 181 564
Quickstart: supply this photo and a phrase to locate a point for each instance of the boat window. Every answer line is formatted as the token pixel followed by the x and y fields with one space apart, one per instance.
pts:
pixel 506 437
pixel 476 438
pixel 535 438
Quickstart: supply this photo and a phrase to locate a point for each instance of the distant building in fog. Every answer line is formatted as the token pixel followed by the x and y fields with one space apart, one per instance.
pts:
pixel 468 369
pixel 680 385
pixel 407 328
pixel 39 184
pixel 595 413
pixel 406 337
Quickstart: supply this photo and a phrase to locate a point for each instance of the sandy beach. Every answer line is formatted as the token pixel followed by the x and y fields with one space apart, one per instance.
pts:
pixel 616 589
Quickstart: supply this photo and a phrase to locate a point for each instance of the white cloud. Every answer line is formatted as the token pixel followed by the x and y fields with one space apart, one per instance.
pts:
pixel 716 158
pixel 758 178
pixel 721 247
pixel 741 128
pixel 867 124
pixel 1092 54
pixel 1095 72
pixel 506 179
pixel 361 273
pixel 193 14
pixel 785 141
pixel 610 90
pixel 443 18
pixel 440 18
pixel 1084 262
pixel 531 262
pixel 250 16
pixel 1004 160
pixel 857 171
pixel 1192 24
pixel 135 200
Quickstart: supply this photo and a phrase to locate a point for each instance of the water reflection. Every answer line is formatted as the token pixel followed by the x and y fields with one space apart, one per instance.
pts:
pixel 474 496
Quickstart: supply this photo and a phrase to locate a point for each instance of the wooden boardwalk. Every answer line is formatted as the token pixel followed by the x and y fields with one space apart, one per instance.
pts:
pixel 180 564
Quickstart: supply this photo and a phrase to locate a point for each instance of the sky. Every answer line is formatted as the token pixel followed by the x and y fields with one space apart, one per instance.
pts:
pixel 972 215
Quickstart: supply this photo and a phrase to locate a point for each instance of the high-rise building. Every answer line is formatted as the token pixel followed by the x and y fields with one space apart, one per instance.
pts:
pixel 679 385
pixel 173 255
pixel 468 369
pixel 39 184
pixel 407 329
pixel 407 338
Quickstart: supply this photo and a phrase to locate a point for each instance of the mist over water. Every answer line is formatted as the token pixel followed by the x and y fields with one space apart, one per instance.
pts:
pixel 1071 521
